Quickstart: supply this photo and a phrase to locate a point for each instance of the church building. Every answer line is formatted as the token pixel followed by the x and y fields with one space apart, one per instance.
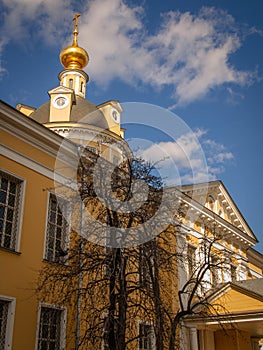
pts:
pixel 35 235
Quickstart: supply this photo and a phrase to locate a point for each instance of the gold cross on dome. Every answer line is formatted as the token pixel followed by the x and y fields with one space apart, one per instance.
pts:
pixel 76 19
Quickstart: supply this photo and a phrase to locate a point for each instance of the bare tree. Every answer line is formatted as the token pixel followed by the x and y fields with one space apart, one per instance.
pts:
pixel 114 276
pixel 195 280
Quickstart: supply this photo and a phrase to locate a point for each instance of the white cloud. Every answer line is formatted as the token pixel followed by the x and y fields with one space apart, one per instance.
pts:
pixel 189 53
pixel 26 19
pixel 216 153
pixel 108 31
pixel 192 158
pixel 33 22
pixel 2 68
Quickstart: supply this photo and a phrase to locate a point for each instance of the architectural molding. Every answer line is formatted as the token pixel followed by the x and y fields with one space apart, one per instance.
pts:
pixel 32 133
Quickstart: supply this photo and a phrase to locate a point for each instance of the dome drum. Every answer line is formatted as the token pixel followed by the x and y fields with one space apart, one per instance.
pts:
pixel 79 72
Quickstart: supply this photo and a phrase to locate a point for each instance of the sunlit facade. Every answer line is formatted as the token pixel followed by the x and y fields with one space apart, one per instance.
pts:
pixel 34 233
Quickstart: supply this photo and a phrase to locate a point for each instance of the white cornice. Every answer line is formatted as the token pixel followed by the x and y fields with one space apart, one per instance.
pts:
pixel 235 210
pixel 36 167
pixel 255 273
pixel 33 133
pixel 84 129
pixel 226 318
pixel 210 216
pixel 25 161
pixel 227 227
pixel 206 187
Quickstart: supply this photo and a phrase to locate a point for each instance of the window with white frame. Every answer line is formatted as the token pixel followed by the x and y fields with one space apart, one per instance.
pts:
pixel 51 331
pixel 56 248
pixel 146 336
pixel 10 205
pixel 7 311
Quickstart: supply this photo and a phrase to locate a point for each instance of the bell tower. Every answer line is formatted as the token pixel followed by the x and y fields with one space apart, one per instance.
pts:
pixel 72 79
pixel 74 58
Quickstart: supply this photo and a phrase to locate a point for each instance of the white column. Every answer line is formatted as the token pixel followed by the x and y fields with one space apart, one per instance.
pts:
pixel 184 338
pixel 193 339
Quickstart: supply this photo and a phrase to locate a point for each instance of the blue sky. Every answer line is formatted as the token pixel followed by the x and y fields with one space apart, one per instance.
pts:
pixel 203 60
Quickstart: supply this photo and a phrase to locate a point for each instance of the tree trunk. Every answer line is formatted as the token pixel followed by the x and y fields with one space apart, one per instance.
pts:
pixel 122 304
pixel 157 299
pixel 112 302
pixel 172 338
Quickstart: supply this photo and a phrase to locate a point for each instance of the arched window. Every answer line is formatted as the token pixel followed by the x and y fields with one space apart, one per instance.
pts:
pixel 71 83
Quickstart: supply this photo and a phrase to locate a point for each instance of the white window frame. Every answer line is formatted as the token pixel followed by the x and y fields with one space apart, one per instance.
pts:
pixel 67 233
pixel 10 320
pixel 146 323
pixel 63 324
pixel 20 210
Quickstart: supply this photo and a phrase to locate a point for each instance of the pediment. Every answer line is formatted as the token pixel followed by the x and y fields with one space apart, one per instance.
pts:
pixel 238 304
pixel 240 292
pixel 60 90
pixel 112 103
pixel 218 200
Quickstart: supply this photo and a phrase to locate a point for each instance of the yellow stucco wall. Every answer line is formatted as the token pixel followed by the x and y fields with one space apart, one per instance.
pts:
pixel 20 270
pixel 232 340
pixel 26 149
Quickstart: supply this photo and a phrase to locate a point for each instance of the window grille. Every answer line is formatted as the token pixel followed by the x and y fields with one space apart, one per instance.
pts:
pixel 146 337
pixel 49 329
pixel 57 230
pixel 3 322
pixel 10 194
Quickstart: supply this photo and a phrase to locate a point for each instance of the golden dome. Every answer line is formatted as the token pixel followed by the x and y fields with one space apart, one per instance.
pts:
pixel 74 57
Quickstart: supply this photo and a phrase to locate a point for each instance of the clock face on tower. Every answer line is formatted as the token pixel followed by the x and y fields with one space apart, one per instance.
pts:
pixel 115 115
pixel 60 102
